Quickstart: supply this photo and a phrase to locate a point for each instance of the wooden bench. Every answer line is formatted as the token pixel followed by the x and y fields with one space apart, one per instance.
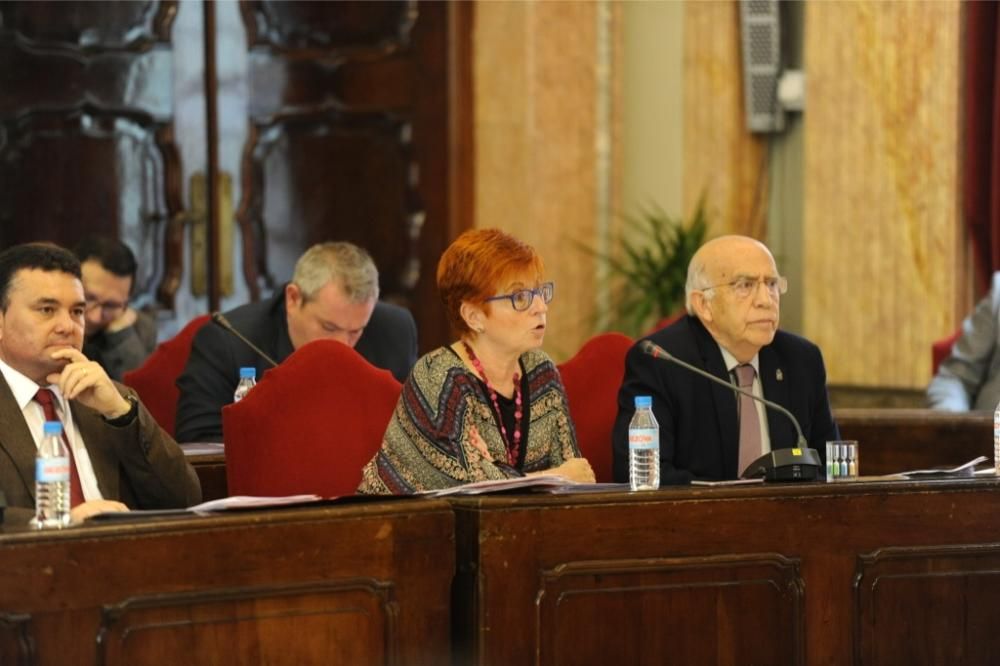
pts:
pixel 896 440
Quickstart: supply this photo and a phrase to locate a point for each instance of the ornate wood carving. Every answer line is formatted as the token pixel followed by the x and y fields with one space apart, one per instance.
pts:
pixel 347 142
pixel 689 607
pixel 341 622
pixel 99 25
pixel 353 584
pixel 17 646
pixel 961 584
pixel 86 142
pixel 49 194
pixel 365 183
pixel 359 26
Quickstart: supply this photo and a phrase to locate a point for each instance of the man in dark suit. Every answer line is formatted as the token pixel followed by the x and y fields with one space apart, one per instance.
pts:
pixel 333 295
pixel 733 291
pixel 120 457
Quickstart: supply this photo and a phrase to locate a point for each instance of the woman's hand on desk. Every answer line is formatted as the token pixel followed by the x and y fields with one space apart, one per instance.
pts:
pixel 574 469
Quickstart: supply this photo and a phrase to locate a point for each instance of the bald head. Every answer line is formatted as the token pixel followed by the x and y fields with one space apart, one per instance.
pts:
pixel 728 290
pixel 715 263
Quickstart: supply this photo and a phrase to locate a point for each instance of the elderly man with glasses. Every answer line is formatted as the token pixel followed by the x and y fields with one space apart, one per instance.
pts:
pixel 118 336
pixel 731 331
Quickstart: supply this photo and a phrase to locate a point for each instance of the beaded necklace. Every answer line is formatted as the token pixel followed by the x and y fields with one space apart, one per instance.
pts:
pixel 513 444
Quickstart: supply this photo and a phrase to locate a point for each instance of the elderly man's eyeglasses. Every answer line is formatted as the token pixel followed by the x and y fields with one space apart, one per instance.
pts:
pixel 744 286
pixel 521 299
pixel 108 308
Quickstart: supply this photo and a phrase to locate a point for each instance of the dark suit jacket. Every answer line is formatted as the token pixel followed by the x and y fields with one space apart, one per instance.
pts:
pixel 138 464
pixel 699 431
pixel 212 372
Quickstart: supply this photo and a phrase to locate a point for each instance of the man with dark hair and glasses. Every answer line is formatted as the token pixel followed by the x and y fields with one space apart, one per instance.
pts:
pixel 118 336
pixel 733 293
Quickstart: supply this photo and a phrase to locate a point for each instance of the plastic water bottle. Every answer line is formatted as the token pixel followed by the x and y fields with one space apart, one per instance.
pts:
pixel 248 379
pixel 644 446
pixel 51 479
pixel 996 439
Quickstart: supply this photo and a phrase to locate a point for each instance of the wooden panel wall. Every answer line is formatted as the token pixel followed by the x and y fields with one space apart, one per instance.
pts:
pixel 546 132
pixel 361 585
pixel 881 126
pixel 721 158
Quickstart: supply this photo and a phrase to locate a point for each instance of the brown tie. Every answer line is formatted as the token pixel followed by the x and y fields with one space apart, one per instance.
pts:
pixel 750 448
pixel 45 398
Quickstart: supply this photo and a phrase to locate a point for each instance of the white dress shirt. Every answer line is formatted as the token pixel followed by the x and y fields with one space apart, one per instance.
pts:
pixel 24 391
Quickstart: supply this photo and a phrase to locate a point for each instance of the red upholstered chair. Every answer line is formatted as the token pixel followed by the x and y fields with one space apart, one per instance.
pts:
pixel 310 425
pixel 940 350
pixel 155 380
pixel 592 379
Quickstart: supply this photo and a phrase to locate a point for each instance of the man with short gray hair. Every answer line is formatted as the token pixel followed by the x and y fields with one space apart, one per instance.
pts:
pixel 333 295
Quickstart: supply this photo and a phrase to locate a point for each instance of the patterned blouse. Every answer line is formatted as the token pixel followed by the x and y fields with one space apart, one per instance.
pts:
pixel 427 443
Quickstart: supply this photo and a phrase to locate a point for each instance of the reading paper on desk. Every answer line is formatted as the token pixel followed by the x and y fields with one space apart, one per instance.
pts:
pixel 494 486
pixel 964 470
pixel 249 502
pixel 968 469
pixel 546 483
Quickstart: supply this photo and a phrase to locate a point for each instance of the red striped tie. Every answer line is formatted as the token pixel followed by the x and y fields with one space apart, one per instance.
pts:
pixel 45 398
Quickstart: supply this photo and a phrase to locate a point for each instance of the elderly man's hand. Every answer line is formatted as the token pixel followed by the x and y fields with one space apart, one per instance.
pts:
pixel 87 382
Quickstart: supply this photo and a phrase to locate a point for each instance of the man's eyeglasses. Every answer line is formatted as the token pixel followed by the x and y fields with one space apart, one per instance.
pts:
pixel 744 286
pixel 521 299
pixel 108 308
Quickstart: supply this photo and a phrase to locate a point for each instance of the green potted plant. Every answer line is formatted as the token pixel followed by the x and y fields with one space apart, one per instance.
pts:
pixel 649 269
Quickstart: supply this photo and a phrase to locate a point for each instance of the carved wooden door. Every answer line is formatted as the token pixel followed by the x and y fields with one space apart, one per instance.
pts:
pixel 339 120
pixel 85 129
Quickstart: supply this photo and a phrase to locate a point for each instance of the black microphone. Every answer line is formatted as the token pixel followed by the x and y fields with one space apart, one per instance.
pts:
pixel 799 464
pixel 221 320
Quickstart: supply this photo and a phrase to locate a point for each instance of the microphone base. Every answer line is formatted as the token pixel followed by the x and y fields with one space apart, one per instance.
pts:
pixel 786 465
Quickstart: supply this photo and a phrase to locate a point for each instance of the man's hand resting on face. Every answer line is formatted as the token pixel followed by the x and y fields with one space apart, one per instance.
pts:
pixel 87 382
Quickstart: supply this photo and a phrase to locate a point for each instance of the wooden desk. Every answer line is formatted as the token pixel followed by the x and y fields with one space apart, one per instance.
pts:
pixel 896 440
pixel 354 584
pixel 211 471
pixel 891 440
pixel 865 573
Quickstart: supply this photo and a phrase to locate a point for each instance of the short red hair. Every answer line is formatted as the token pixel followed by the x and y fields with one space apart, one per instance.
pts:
pixel 476 265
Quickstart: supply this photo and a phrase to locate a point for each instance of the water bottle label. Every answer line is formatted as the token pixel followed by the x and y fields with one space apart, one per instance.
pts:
pixel 52 469
pixel 643 439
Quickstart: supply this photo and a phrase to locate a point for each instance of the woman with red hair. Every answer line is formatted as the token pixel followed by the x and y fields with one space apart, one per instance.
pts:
pixel 490 405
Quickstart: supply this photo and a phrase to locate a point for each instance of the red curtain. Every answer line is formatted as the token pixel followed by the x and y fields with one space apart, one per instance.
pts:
pixel 981 187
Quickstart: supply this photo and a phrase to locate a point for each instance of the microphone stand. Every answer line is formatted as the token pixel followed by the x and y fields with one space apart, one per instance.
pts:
pixel 221 320
pixel 797 464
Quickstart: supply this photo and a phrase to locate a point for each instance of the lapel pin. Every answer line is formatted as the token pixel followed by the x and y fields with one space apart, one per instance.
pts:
pixel 779 375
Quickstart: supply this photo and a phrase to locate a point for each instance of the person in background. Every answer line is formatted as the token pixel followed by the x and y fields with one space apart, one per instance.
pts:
pixel 120 457
pixel 118 336
pixel 733 293
pixel 969 379
pixel 490 405
pixel 333 295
